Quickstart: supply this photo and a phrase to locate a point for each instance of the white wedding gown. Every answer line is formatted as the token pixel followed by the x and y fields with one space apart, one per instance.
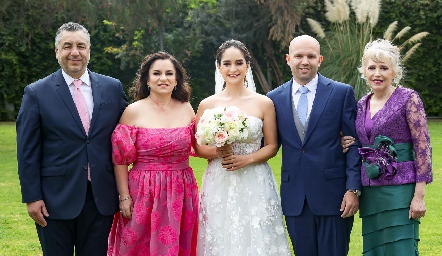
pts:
pixel 240 211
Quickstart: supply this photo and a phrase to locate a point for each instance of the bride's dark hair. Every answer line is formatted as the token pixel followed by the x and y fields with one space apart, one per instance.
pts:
pixel 232 43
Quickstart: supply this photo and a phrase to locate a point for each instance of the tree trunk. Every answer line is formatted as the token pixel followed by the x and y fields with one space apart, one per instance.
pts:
pixel 161 34
pixel 260 76
pixel 270 54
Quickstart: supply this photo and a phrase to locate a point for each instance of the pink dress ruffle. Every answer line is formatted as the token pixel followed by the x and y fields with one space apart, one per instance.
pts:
pixel 163 188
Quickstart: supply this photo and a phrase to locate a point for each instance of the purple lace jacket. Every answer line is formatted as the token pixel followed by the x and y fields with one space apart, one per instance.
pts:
pixel 403 120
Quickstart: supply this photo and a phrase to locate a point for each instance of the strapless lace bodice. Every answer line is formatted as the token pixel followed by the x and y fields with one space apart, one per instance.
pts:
pixel 253 141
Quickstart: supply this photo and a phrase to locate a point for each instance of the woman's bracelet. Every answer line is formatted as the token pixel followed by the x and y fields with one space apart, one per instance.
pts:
pixel 124 199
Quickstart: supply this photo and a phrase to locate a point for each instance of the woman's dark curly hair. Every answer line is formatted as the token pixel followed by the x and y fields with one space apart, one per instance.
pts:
pixel 140 89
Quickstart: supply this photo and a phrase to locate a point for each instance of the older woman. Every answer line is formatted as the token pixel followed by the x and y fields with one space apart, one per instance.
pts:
pixel 396 152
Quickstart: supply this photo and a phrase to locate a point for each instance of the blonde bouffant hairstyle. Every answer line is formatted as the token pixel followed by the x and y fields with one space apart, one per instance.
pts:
pixel 382 50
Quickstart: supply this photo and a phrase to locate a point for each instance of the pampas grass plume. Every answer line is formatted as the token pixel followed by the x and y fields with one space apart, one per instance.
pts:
pixel 410 52
pixel 360 12
pixel 375 7
pixel 402 32
pixel 316 27
pixel 390 30
pixel 414 39
pixel 417 37
pixel 343 9
pixel 331 13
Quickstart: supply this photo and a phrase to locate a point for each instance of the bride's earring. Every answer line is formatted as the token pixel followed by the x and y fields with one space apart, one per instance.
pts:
pixel 246 83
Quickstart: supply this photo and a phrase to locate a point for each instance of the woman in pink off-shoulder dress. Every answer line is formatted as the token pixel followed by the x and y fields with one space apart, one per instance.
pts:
pixel 158 194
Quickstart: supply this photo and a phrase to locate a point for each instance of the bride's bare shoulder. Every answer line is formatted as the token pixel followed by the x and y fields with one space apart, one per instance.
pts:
pixel 209 102
pixel 212 100
pixel 262 99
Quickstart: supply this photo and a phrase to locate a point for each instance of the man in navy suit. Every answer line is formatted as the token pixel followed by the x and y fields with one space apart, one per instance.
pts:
pixel 65 169
pixel 320 184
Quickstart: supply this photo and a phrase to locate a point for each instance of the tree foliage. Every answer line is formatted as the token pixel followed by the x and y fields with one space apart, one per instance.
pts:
pixel 351 28
pixel 286 16
pixel 192 31
pixel 147 16
pixel 424 66
pixel 253 24
pixel 27 43
pixel 230 19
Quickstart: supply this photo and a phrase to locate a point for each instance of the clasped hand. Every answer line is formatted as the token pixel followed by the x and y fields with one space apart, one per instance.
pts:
pixel 230 161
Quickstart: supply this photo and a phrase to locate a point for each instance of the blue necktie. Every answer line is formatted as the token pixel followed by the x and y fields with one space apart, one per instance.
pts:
pixel 303 104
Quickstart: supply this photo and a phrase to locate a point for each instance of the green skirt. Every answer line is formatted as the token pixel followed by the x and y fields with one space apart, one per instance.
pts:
pixel 386 228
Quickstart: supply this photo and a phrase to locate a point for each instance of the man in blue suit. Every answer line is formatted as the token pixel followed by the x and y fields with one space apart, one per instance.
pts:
pixel 64 157
pixel 320 184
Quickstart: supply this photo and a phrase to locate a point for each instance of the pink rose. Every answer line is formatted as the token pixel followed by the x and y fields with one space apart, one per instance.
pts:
pixel 220 138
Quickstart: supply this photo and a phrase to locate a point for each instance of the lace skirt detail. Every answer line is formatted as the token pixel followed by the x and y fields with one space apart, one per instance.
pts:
pixel 240 213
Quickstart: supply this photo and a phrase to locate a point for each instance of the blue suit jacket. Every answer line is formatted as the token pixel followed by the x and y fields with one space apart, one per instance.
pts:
pixel 317 169
pixel 53 150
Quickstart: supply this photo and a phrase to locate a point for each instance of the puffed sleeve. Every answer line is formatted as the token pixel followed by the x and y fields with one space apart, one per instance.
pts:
pixel 123 145
pixel 417 123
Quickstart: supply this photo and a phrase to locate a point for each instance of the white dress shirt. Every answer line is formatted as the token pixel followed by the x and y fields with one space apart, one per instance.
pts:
pixel 85 89
pixel 296 94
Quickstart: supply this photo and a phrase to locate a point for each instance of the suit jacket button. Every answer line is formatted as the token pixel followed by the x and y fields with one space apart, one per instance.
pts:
pixel 302 151
pixel 85 167
pixel 87 141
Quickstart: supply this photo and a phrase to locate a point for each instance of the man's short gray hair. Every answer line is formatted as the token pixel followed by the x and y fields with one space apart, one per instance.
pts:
pixel 71 26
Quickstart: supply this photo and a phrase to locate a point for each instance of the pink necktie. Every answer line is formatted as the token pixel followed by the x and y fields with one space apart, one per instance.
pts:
pixel 80 102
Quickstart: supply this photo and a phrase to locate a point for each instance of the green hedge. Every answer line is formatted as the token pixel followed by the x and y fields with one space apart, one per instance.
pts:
pixel 424 73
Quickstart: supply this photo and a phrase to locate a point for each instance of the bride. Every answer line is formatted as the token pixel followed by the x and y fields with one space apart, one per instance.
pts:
pixel 240 211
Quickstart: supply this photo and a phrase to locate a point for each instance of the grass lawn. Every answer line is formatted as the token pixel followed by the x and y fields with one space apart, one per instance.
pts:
pixel 18 236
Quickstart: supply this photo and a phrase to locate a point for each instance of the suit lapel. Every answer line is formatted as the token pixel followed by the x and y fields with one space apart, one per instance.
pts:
pixel 322 95
pixel 287 109
pixel 63 90
pixel 96 94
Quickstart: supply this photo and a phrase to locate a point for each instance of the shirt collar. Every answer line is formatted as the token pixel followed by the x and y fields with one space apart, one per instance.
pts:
pixel 312 85
pixel 85 78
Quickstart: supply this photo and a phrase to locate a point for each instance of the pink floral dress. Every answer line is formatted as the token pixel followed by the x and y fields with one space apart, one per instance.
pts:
pixel 163 188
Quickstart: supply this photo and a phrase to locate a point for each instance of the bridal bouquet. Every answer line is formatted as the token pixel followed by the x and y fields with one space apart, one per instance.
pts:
pixel 219 126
